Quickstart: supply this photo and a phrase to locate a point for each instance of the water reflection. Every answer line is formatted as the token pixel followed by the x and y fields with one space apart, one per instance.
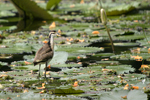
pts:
pixel 28 25
pixel 25 24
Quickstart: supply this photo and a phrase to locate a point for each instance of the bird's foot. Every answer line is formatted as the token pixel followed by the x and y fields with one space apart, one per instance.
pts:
pixel 45 76
pixel 49 66
pixel 38 76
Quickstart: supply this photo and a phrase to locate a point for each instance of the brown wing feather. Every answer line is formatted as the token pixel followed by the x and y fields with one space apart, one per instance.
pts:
pixel 43 54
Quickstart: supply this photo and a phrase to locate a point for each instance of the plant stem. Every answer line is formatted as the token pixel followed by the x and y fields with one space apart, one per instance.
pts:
pixel 145 36
pixel 112 45
pixel 100 4
pixel 100 7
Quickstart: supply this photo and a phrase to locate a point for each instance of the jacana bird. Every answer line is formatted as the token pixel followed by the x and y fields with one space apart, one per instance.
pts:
pixel 45 53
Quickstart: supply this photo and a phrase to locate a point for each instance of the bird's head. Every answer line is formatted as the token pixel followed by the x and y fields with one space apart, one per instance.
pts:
pixel 54 33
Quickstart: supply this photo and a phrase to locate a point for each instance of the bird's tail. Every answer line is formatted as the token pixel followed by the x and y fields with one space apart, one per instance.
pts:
pixel 35 63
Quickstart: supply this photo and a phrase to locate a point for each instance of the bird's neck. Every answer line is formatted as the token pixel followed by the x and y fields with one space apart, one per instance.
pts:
pixel 51 41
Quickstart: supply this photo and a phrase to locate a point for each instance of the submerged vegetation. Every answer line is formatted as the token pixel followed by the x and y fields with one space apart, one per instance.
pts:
pixel 84 66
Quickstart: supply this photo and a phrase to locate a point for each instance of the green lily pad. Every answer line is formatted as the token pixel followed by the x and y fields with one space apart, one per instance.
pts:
pixel 59 58
pixel 5 7
pixel 78 50
pixel 3 20
pixel 82 77
pixel 103 55
pixel 31 95
pixel 29 57
pixel 124 8
pixel 108 62
pixel 134 76
pixel 129 37
pixel 126 44
pixel 7 27
pixel 67 90
pixel 16 48
pixel 115 95
pixel 121 69
pixel 144 42
pixel 120 94
pixel 136 95
pixel 142 56
pixel 84 70
pixel 3 64
pixel 66 65
pixel 6 13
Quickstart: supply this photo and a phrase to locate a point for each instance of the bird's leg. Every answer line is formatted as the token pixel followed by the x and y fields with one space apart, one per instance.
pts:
pixel 45 69
pixel 39 69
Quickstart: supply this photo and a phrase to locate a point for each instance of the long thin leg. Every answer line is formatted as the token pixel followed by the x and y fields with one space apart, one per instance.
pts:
pixel 45 69
pixel 39 69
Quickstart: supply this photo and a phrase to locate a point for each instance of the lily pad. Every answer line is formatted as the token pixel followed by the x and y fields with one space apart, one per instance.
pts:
pixel 115 95
pixel 66 65
pixel 120 69
pixel 3 63
pixel 120 94
pixel 136 57
pixel 59 58
pixel 16 48
pixel 103 55
pixel 31 95
pixel 124 8
pixel 138 95
pixel 78 50
pixel 6 13
pixel 134 76
pixel 126 44
pixel 67 90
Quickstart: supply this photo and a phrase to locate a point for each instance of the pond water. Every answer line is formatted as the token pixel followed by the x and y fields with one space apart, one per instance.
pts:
pixel 84 66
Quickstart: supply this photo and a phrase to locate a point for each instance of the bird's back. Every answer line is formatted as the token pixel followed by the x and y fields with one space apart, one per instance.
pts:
pixel 44 54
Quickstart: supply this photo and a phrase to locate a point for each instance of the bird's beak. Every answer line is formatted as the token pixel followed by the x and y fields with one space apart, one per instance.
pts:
pixel 57 34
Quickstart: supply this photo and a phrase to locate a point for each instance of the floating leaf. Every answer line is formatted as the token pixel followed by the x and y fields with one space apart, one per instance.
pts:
pixel 59 58
pixel 67 90
pixel 16 48
pixel 78 50
pixel 136 95
pixel 3 64
pixel 134 76
pixel 27 8
pixel 124 8
pixel 52 3
pixel 103 55
pixel 126 44
pixel 29 57
pixel 82 77
pixel 120 69
pixel 67 65
pixel 94 70
pixel 115 95
pixel 136 57
pixel 37 96
pixel 6 13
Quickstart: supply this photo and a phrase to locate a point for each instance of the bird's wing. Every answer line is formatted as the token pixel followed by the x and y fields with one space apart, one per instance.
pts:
pixel 47 56
pixel 46 50
pixel 43 54
pixel 37 54
pixel 44 57
pixel 39 50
